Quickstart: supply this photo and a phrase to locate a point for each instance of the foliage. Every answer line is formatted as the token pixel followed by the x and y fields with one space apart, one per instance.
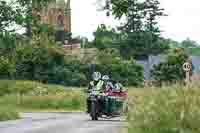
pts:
pixel 172 109
pixel 105 37
pixel 8 15
pixel 38 96
pixel 28 20
pixel 135 11
pixel 142 33
pixel 6 87
pixel 7 55
pixel 171 70
pixel 127 72
pixel 44 60
pixel 132 47
pixel 33 57
pixel 190 46
pixel 40 58
pixel 189 43
pixel 8 113
pixel 7 67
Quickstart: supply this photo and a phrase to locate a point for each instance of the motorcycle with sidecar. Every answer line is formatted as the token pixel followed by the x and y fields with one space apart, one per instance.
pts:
pixel 108 103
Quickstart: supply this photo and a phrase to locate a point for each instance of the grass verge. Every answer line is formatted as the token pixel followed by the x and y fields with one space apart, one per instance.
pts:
pixel 28 96
pixel 174 109
pixel 8 113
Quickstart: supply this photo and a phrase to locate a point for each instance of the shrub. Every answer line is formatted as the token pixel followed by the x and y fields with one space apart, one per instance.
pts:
pixel 171 70
pixel 43 60
pixel 7 87
pixel 126 71
pixel 172 109
pixel 7 67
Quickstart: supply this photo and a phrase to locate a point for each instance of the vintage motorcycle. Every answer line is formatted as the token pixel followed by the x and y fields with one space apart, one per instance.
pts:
pixel 107 103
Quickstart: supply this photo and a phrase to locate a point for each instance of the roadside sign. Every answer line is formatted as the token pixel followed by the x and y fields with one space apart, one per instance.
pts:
pixel 187 67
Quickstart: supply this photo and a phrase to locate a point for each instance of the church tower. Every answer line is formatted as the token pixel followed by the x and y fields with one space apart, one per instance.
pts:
pixel 58 15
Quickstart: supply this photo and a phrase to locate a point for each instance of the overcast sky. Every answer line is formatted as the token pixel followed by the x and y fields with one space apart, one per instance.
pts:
pixel 183 18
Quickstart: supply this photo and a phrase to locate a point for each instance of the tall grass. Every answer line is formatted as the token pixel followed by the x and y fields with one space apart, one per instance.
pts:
pixel 73 100
pixel 174 109
pixel 34 96
pixel 66 101
pixel 8 113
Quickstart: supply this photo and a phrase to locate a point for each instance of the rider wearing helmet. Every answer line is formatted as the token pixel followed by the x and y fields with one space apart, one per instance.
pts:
pixel 97 84
pixel 107 82
pixel 96 76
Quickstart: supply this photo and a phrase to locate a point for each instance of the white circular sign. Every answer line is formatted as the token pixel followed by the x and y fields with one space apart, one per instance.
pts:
pixel 187 67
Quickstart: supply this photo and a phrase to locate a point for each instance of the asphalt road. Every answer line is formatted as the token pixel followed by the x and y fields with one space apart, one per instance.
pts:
pixel 60 123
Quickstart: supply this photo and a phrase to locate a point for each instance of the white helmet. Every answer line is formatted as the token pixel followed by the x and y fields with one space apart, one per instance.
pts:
pixel 105 77
pixel 96 76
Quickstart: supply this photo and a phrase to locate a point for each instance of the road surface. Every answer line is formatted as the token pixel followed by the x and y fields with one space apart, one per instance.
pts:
pixel 60 123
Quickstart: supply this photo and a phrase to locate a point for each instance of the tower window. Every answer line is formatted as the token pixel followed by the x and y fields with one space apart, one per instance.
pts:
pixel 60 20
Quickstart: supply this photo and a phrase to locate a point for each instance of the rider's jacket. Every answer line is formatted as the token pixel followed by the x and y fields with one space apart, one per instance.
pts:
pixel 98 84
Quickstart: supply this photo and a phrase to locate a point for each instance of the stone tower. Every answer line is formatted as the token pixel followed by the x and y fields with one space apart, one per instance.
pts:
pixel 58 15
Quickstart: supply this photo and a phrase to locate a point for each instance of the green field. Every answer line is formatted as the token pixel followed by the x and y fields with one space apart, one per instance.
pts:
pixel 22 96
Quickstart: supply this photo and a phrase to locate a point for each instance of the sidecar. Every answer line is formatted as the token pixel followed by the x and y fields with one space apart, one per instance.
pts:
pixel 106 105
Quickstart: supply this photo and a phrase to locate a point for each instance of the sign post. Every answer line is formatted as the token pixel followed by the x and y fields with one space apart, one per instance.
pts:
pixel 187 68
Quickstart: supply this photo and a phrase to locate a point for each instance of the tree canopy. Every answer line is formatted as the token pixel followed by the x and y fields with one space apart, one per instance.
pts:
pixel 140 31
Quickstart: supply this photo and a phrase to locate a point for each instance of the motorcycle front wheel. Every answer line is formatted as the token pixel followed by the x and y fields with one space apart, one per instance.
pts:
pixel 93 111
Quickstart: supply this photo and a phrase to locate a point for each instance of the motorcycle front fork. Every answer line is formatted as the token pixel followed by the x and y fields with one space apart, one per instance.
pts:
pixel 88 105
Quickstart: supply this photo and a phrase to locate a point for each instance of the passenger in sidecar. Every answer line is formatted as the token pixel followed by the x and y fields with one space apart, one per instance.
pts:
pixel 114 88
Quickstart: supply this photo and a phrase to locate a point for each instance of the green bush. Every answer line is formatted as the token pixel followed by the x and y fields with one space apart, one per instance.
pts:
pixel 42 59
pixel 8 113
pixel 7 87
pixel 7 67
pixel 171 70
pixel 172 109
pixel 125 71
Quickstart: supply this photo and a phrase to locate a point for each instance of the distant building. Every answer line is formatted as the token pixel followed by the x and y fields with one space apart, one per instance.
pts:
pixel 58 15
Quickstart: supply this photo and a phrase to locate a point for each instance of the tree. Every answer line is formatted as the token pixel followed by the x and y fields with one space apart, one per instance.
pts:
pixel 170 71
pixel 189 43
pixel 29 20
pixel 127 72
pixel 140 27
pixel 140 15
pixel 7 15
pixel 153 11
pixel 105 37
